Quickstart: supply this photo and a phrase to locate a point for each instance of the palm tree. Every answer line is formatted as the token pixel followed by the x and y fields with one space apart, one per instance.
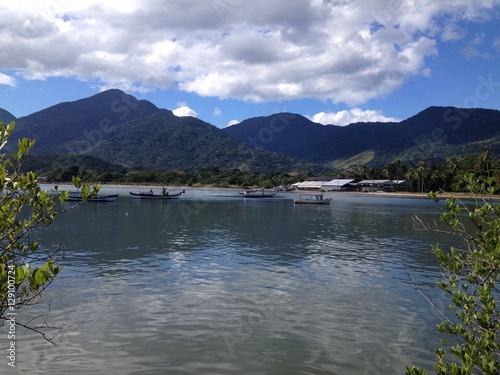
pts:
pixel 484 162
pixel 411 176
pixel 422 172
pixel 451 168
pixel 399 168
pixel 386 172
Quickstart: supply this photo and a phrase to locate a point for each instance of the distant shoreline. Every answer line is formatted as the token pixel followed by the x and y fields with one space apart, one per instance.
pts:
pixel 402 194
pixel 407 194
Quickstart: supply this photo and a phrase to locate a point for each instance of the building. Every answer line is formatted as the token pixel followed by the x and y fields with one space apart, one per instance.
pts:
pixel 313 183
pixel 340 184
pixel 382 185
pixel 350 184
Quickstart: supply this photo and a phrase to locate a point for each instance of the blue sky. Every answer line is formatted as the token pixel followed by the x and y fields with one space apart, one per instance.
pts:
pixel 334 61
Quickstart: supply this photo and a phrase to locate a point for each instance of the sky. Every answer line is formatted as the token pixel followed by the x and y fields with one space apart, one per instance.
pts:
pixel 223 61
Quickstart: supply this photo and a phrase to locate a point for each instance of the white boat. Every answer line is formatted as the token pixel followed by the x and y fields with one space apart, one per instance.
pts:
pixel 257 193
pixel 312 198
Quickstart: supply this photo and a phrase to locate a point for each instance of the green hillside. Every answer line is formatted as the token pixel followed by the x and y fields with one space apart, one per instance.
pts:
pixel 86 121
pixel 6 117
pixel 117 128
pixel 166 142
pixel 436 133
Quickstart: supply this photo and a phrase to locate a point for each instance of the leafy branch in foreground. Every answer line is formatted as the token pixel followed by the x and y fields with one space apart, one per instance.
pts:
pixel 470 272
pixel 25 270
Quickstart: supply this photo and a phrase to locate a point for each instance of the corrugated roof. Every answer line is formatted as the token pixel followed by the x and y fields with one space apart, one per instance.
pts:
pixel 339 182
pixel 309 185
pixel 369 182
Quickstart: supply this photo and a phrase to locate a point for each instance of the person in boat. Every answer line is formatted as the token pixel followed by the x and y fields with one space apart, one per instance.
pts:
pixel 164 192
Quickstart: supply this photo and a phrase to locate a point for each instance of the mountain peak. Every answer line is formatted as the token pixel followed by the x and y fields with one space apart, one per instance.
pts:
pixel 89 118
pixel 6 117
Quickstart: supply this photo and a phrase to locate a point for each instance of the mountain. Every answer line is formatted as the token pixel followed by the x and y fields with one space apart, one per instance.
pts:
pixel 6 117
pixel 58 129
pixel 44 164
pixel 118 128
pixel 436 132
pixel 184 143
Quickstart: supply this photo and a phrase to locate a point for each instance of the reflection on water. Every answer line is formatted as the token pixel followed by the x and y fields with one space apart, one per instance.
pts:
pixel 235 286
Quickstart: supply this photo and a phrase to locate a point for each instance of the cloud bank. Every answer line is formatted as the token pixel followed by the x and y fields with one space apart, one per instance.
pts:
pixel 184 111
pixel 342 51
pixel 351 116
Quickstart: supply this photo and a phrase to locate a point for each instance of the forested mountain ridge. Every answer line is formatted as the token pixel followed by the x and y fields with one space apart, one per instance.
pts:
pixel 68 127
pixel 185 143
pixel 120 129
pixel 6 117
pixel 435 133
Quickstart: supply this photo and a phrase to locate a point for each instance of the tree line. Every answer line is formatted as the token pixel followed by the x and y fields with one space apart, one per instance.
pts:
pixel 420 176
pixel 447 175
pixel 470 325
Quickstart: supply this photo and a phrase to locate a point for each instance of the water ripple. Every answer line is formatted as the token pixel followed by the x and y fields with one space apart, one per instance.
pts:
pixel 227 286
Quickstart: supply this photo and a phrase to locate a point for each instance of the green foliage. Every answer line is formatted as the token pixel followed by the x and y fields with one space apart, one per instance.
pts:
pixel 118 128
pixel 76 127
pixel 24 271
pixel 452 174
pixel 6 116
pixel 185 143
pixel 61 167
pixel 437 133
pixel 471 343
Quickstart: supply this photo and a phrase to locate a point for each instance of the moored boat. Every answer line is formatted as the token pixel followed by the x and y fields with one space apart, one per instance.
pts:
pixel 163 195
pixel 312 198
pixel 257 193
pixel 77 197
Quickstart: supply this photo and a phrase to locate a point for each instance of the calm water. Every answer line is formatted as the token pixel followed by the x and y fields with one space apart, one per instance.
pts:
pixel 219 284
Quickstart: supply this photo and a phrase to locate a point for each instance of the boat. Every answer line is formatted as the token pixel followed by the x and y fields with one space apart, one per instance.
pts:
pixel 163 195
pixel 312 198
pixel 257 193
pixel 285 188
pixel 77 197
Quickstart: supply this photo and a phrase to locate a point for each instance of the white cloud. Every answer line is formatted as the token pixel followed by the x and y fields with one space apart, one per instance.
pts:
pixel 473 48
pixel 351 116
pixel 343 51
pixel 232 122
pixel 7 80
pixel 184 111
pixel 217 111
pixel 496 43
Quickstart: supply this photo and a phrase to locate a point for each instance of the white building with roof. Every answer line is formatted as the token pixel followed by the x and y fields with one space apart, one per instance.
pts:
pixel 339 184
pixel 382 185
pixel 309 185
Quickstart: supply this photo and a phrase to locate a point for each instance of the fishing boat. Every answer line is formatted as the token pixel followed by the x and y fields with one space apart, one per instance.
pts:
pixel 77 197
pixel 257 193
pixel 312 198
pixel 163 195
